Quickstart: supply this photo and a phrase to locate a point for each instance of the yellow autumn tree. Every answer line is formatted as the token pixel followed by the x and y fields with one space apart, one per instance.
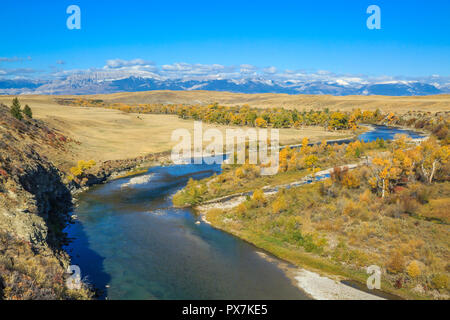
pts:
pixel 81 168
pixel 384 173
pixel 310 162
pixel 240 173
pixel 433 156
pixel 280 204
pixel 406 161
pixel 305 147
pixel 284 157
pixel 260 122
pixel 258 198
pixel 350 180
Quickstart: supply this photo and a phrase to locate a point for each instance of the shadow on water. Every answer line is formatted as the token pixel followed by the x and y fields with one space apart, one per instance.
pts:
pixel 90 262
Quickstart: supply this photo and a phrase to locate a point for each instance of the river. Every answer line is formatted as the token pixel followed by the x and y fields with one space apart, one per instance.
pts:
pixel 131 243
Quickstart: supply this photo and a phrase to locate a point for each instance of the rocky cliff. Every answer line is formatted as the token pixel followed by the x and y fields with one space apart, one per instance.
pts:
pixel 34 205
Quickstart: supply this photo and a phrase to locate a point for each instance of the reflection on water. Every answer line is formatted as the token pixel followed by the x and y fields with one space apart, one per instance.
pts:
pixel 387 133
pixel 132 243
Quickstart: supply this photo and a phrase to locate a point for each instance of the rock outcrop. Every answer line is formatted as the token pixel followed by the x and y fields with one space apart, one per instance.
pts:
pixel 34 205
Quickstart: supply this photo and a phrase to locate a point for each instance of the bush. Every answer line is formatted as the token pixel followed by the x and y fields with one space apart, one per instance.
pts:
pixel 409 205
pixel 192 194
pixel 338 173
pixel 440 281
pixel 351 181
pixel 351 208
pixel 437 209
pixel 240 173
pixel 396 263
pixel 413 269
pixel 241 210
pixel 366 196
pixel 81 168
pixel 280 204
pixel 421 193
pixel 258 198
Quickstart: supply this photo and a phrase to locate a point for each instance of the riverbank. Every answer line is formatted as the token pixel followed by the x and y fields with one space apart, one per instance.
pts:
pixel 316 276
pixel 317 285
pixel 321 287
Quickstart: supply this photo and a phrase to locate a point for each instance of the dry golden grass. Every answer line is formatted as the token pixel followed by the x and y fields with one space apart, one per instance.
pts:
pixel 107 134
pixel 345 103
pixel 110 134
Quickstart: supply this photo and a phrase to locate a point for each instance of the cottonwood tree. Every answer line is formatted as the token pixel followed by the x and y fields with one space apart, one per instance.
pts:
pixel 433 156
pixel 385 172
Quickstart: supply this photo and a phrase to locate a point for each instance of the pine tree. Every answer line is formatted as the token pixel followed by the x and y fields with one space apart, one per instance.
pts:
pixel 27 111
pixel 15 109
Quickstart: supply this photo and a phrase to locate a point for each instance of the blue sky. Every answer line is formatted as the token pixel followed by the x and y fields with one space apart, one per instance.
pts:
pixel 296 35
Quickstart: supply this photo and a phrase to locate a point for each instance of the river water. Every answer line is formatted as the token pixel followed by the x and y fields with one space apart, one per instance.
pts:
pixel 130 242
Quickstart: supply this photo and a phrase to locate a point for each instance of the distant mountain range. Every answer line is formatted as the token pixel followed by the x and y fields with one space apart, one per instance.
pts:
pixel 98 84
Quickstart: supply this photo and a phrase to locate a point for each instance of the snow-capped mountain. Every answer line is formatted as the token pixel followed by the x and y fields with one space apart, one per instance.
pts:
pixel 117 81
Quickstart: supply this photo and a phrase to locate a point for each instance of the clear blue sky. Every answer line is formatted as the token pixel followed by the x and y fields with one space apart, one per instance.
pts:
pixel 310 35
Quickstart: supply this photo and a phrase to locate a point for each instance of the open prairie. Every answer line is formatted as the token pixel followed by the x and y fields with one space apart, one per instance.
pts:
pixel 300 102
pixel 106 134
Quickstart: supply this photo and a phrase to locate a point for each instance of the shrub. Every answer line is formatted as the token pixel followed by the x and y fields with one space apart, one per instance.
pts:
pixel 81 168
pixel 441 132
pixel 440 281
pixel 409 204
pixel 308 243
pixel 326 188
pixel 258 198
pixel 240 173
pixel 338 173
pixel 413 269
pixel 192 194
pixel 351 208
pixel 437 209
pixel 351 181
pixel 280 204
pixel 396 263
pixel 260 122
pixel 241 209
pixel 421 193
pixel 398 283
pixel 366 196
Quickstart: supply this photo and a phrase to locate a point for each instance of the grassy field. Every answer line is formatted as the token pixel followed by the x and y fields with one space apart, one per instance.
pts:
pixel 106 134
pixel 344 103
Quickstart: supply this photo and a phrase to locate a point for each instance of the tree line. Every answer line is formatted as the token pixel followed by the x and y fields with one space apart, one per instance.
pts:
pixel 254 117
